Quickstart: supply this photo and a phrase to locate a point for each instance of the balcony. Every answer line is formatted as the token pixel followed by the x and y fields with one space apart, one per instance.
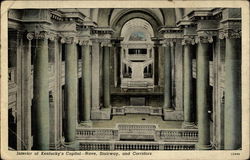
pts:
pixel 136 137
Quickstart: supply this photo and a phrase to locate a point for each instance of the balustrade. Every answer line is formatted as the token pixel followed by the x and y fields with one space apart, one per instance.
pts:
pixel 179 135
pixel 135 146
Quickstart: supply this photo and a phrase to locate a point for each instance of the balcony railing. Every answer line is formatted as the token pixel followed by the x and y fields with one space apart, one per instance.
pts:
pixel 138 131
pixel 179 135
pixel 96 133
pixel 123 146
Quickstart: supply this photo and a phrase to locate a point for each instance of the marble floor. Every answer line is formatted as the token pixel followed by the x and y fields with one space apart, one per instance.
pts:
pixel 137 119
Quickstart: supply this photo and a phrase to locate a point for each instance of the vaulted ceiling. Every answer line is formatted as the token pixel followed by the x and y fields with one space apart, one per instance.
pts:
pixel 116 18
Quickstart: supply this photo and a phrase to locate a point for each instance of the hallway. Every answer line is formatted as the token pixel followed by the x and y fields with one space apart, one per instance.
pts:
pixel 124 78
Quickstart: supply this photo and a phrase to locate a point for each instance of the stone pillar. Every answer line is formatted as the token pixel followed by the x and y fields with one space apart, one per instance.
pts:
pixel 86 82
pixel 70 89
pixel 41 95
pixel 115 64
pixel 54 98
pixel 167 76
pixel 187 86
pixel 173 74
pixel 121 64
pixel 106 77
pixel 202 95
pixel 233 106
pixel 95 76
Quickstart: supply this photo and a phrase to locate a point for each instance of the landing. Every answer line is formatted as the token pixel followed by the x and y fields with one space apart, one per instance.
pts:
pixel 137 118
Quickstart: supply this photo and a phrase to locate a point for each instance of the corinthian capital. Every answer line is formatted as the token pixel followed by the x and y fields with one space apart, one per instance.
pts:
pixel 230 33
pixel 41 35
pixel 69 40
pixel 106 43
pixel 204 39
pixel 84 41
pixel 168 42
pixel 188 40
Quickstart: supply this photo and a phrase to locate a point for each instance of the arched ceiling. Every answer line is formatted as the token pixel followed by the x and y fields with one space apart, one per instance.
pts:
pixel 137 25
pixel 117 13
pixel 119 24
pixel 116 18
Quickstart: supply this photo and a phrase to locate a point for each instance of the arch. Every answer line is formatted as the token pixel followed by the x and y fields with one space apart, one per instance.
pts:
pixel 154 12
pixel 117 26
pixel 136 26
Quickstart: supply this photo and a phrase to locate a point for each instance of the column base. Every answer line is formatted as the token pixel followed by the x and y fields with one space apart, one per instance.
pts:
pixel 203 147
pixel 174 115
pixel 102 114
pixel 168 108
pixel 189 125
pixel 86 124
pixel 55 146
pixel 70 145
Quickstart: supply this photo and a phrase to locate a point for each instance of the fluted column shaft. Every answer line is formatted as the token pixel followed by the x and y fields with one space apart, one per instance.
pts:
pixel 86 82
pixel 41 97
pixel 202 95
pixel 71 91
pixel 233 94
pixel 106 77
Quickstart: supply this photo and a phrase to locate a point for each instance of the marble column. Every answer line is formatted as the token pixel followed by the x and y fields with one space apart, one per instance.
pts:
pixel 167 76
pixel 70 90
pixel 95 75
pixel 106 77
pixel 121 64
pixel 172 74
pixel 233 106
pixel 187 86
pixel 40 113
pixel 202 95
pixel 86 82
pixel 115 64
